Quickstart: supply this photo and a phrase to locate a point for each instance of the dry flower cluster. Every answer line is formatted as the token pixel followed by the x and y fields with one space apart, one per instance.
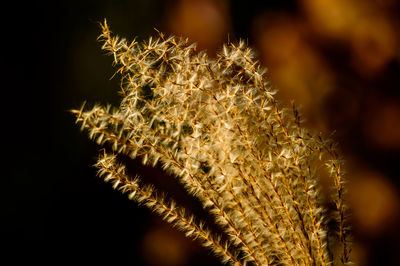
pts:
pixel 215 125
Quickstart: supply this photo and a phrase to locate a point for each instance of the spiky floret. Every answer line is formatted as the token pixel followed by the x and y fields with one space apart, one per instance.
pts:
pixel 215 125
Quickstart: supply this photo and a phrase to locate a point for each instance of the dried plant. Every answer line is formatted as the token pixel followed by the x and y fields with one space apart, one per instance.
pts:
pixel 215 125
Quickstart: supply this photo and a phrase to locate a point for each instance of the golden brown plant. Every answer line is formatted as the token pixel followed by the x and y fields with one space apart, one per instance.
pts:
pixel 215 125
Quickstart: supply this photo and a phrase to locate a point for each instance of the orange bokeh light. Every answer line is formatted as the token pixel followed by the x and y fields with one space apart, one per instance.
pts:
pixel 204 22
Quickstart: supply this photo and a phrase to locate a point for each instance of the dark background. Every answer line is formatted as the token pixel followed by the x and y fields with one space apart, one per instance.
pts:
pixel 340 61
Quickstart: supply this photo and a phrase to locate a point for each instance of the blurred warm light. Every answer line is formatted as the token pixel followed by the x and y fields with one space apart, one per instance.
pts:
pixel 332 18
pixel 296 68
pixel 373 45
pixel 363 25
pixel 202 21
pixel 374 202
pixel 382 126
pixel 165 246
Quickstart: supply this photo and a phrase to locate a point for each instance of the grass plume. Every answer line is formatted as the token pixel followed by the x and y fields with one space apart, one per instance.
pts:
pixel 215 125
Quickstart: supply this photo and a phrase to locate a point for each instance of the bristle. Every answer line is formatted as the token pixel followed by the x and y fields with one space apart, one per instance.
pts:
pixel 216 126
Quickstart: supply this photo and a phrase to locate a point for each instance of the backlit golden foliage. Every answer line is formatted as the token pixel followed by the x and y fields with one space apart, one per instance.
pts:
pixel 215 125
